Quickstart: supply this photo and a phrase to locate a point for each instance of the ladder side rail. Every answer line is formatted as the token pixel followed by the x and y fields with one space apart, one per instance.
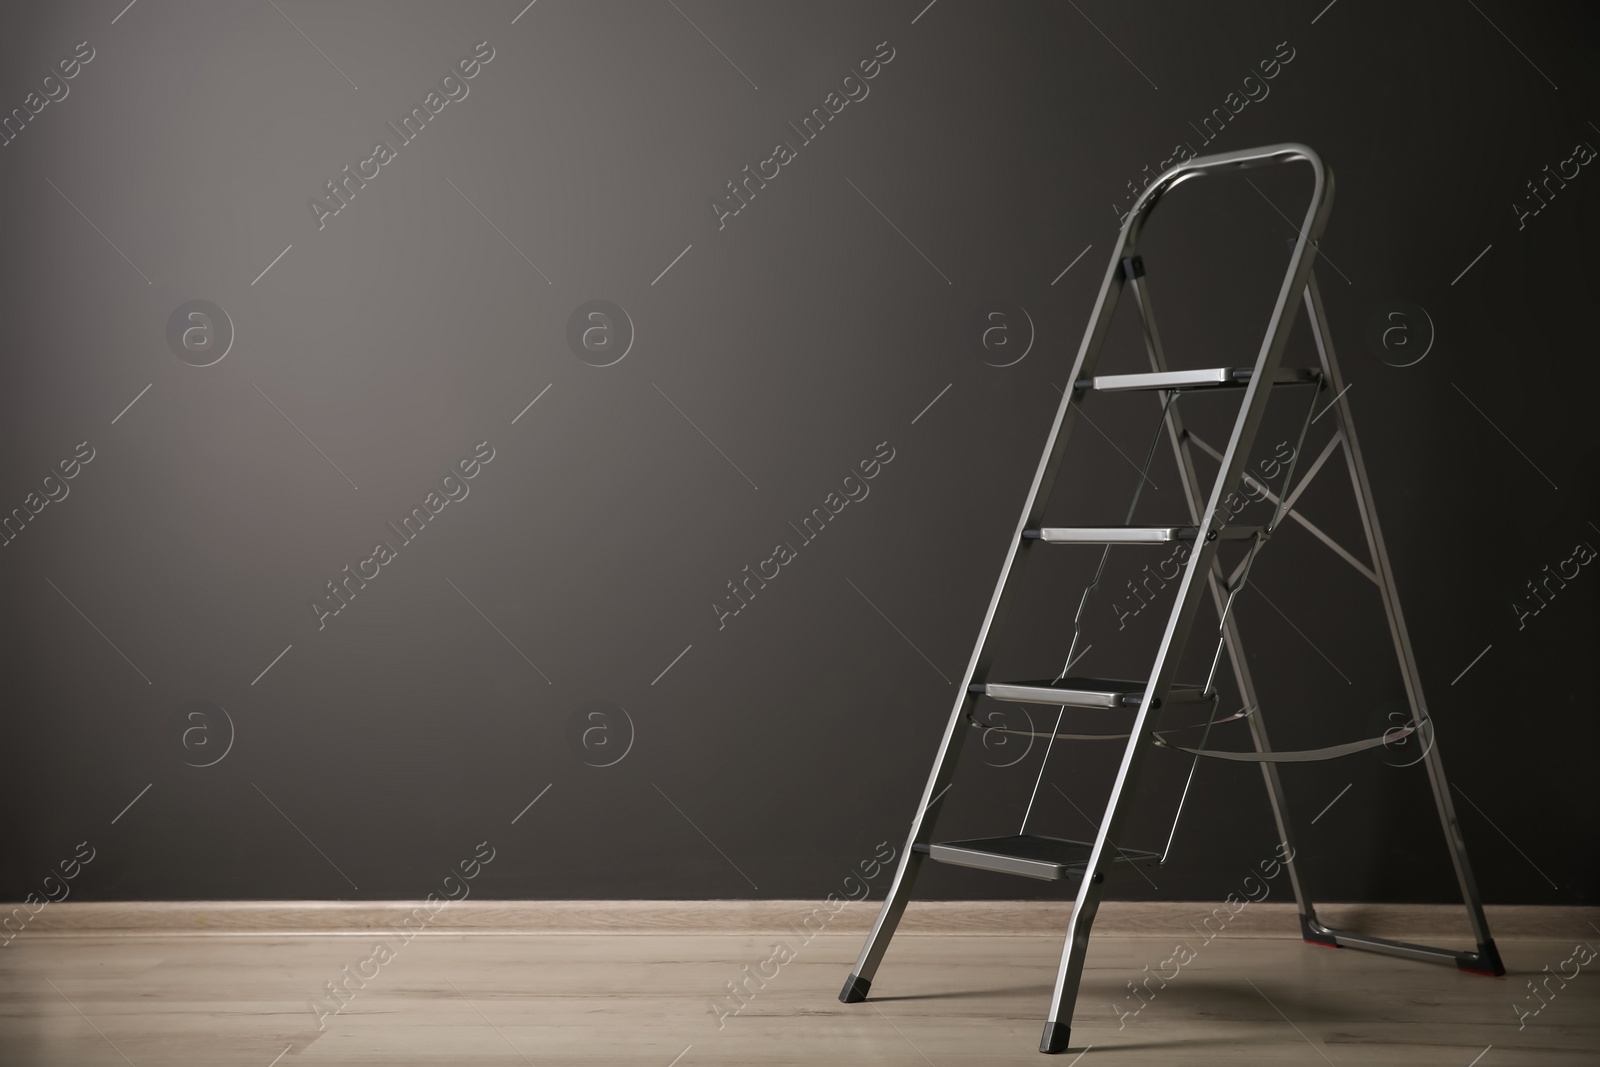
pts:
pixel 941 777
pixel 1075 948
pixel 1057 1026
pixel 1379 556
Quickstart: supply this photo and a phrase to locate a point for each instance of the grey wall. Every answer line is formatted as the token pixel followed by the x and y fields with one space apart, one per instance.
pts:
pixel 161 644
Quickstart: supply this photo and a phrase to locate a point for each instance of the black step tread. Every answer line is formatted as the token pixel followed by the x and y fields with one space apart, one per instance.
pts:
pixel 1205 378
pixel 1029 855
pixel 1132 535
pixel 1084 692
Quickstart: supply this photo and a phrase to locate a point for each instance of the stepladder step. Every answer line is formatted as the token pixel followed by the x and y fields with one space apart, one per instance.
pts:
pixel 1050 859
pixel 1207 378
pixel 1085 692
pixel 1134 535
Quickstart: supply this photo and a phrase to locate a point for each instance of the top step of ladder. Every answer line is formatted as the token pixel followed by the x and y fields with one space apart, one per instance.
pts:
pixel 1207 378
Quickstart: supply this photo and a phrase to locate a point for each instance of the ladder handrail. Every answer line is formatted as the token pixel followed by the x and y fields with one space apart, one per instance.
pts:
pixel 1223 162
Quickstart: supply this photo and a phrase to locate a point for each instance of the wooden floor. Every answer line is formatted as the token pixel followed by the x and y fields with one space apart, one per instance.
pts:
pixel 647 998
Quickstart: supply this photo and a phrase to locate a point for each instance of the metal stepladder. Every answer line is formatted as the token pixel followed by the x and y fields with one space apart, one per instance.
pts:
pixel 1085 863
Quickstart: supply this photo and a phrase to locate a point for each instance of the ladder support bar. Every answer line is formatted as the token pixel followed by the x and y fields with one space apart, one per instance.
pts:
pixel 1315 530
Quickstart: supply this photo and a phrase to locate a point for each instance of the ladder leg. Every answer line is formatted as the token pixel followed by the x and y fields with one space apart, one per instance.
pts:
pixel 1058 1027
pixel 859 981
pixel 1487 958
pixel 1058 1024
pixel 940 779
pixel 1202 560
pixel 905 875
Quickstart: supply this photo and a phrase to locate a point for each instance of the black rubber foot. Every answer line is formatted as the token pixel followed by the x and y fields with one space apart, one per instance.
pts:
pixel 1055 1037
pixel 1485 961
pixel 855 990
